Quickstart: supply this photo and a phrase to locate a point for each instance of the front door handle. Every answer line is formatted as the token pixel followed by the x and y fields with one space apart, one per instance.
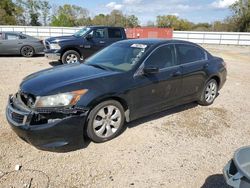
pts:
pixel 102 42
pixel 206 66
pixel 177 73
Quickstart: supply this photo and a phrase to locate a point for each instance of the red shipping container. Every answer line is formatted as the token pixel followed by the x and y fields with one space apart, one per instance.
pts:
pixel 149 32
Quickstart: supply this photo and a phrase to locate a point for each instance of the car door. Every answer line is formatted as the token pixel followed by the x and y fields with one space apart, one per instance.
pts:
pixel 96 42
pixel 154 92
pixel 194 62
pixel 11 44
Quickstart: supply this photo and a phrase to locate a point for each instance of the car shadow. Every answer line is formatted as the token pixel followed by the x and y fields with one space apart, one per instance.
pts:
pixel 66 149
pixel 36 55
pixel 216 180
pixel 158 115
pixel 55 63
pixel 84 144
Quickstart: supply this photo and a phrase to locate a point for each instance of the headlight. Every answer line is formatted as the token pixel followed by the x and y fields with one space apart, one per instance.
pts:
pixel 55 46
pixel 60 100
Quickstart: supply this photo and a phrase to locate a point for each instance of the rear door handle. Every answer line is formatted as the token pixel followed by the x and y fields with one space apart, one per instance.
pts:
pixel 206 65
pixel 177 73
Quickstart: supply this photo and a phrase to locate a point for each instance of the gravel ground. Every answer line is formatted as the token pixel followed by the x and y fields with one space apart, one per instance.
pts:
pixel 184 147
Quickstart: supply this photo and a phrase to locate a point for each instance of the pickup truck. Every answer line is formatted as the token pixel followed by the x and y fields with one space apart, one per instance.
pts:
pixel 84 43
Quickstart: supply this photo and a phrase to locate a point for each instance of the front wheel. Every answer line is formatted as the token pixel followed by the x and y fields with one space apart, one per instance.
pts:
pixel 70 56
pixel 209 93
pixel 105 121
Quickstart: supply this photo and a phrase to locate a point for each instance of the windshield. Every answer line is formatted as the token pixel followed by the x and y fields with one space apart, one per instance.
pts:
pixel 82 32
pixel 118 57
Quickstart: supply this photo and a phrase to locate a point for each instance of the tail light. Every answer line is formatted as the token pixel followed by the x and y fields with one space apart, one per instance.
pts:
pixel 224 64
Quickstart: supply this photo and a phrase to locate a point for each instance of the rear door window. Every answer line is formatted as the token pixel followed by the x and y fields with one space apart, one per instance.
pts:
pixel 114 33
pixel 11 36
pixel 188 53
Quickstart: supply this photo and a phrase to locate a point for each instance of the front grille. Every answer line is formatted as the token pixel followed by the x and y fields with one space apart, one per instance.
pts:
pixel 18 118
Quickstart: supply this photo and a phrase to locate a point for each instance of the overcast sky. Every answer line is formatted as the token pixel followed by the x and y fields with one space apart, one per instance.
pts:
pixel 145 10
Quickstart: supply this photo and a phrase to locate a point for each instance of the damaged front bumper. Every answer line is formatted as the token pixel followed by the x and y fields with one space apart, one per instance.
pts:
pixel 47 129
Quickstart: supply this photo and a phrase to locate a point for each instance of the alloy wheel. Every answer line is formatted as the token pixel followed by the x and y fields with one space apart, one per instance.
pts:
pixel 107 121
pixel 71 58
pixel 210 92
pixel 27 51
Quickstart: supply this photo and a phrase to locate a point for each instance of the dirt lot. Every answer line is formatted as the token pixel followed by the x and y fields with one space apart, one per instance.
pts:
pixel 184 147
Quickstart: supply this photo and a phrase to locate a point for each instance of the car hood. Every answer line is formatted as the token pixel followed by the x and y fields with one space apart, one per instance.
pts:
pixel 61 78
pixel 61 38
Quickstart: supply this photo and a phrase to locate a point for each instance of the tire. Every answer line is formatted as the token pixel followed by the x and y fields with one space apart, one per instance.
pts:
pixel 101 127
pixel 27 51
pixel 70 56
pixel 209 93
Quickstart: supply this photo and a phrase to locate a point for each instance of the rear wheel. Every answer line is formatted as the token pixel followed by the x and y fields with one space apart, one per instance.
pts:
pixel 209 93
pixel 70 56
pixel 105 121
pixel 27 51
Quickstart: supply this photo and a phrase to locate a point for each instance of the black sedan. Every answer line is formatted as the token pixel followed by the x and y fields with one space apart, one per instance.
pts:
pixel 56 108
pixel 13 43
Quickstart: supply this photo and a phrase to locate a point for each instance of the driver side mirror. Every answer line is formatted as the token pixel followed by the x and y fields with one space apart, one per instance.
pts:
pixel 150 70
pixel 89 37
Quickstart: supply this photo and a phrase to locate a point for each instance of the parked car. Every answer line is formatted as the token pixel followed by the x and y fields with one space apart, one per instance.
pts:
pixel 123 82
pixel 237 170
pixel 20 44
pixel 84 43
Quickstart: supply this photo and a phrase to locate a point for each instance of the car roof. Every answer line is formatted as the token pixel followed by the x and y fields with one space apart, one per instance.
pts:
pixel 154 42
pixel 101 27
pixel 12 32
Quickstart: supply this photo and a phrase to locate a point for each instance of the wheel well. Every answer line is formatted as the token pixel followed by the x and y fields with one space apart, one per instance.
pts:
pixel 120 100
pixel 67 49
pixel 217 79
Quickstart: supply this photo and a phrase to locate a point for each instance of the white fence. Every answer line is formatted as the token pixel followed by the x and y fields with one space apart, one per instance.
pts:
pixel 233 38
pixel 41 32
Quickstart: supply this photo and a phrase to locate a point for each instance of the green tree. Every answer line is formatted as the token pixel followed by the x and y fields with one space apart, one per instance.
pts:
pixel 7 12
pixel 70 15
pixel 241 9
pixel 21 15
pixel 100 19
pixel 132 21
pixel 33 7
pixel 174 22
pixel 116 18
pixel 202 27
pixel 167 21
pixel 45 11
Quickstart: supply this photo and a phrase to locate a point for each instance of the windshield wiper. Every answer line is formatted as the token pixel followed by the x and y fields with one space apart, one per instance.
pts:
pixel 99 66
